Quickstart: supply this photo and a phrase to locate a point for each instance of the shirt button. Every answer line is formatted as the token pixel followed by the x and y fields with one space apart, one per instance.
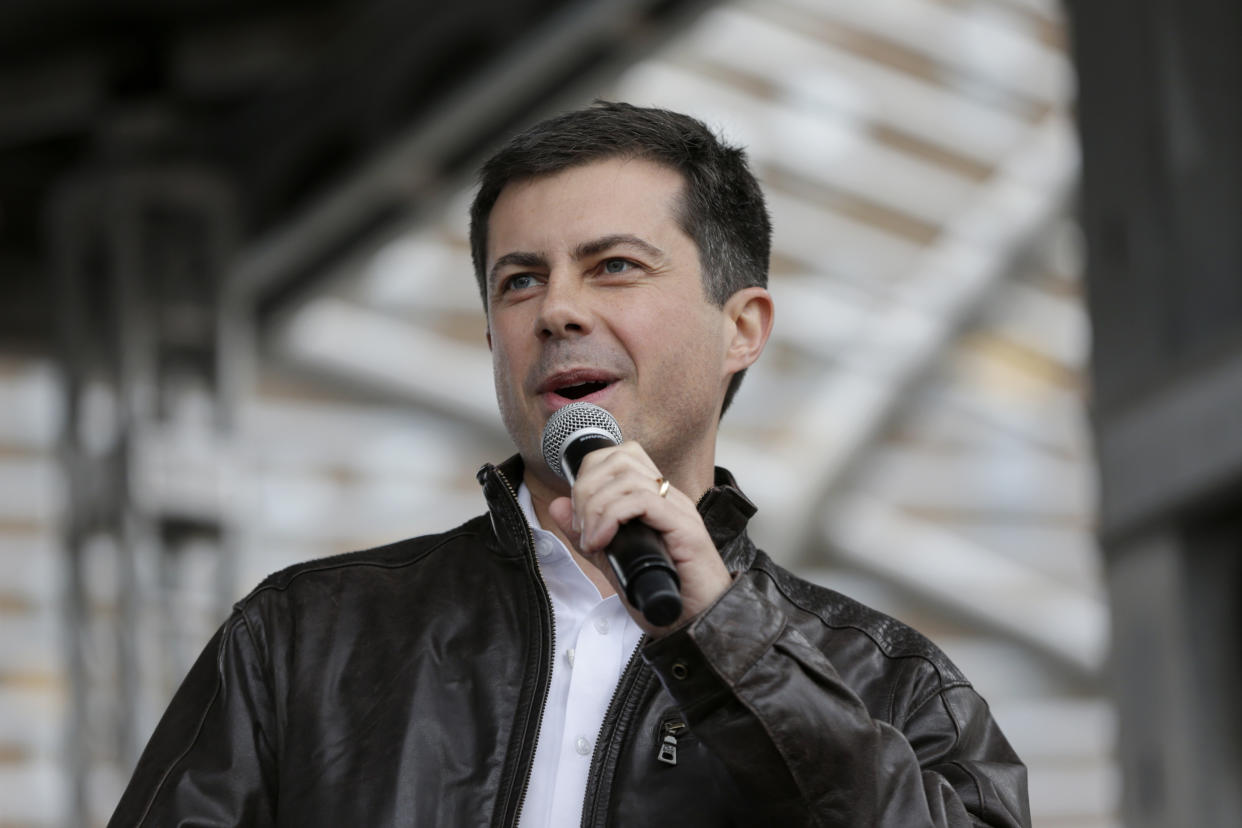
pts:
pixel 569 656
pixel 582 746
pixel 601 626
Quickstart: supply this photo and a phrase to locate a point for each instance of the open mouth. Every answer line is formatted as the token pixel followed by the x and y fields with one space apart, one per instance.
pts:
pixel 582 389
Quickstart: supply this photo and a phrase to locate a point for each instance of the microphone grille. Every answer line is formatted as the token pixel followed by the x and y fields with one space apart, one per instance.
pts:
pixel 569 419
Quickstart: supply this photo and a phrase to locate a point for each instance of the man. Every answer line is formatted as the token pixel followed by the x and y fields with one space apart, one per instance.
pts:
pixel 491 675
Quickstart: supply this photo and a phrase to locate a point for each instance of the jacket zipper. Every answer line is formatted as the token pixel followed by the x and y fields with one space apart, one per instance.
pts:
pixel 624 685
pixel 602 745
pixel 666 751
pixel 547 599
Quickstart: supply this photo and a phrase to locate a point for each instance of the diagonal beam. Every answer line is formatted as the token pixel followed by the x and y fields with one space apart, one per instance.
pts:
pixel 971 582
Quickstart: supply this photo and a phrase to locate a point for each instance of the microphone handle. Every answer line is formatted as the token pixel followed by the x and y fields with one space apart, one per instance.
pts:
pixel 646 574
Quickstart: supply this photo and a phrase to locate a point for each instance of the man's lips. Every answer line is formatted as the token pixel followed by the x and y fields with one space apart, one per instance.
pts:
pixel 574 384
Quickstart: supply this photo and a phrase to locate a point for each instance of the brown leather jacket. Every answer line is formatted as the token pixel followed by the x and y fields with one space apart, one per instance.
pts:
pixel 404 686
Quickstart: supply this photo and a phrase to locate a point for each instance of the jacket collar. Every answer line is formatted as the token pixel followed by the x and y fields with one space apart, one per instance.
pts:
pixel 725 509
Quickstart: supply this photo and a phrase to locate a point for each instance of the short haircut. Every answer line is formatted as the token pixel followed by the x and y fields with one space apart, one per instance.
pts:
pixel 721 207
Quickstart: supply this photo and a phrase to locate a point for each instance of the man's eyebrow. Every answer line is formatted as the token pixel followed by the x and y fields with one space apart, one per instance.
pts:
pixel 518 258
pixel 597 246
pixel 521 258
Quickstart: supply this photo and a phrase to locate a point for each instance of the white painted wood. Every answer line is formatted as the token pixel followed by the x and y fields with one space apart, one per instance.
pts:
pixel 999 671
pixel 1059 728
pixel 25 714
pixel 1000 594
pixel 30 644
pixel 1084 792
pixel 32 566
pixel 1050 10
pixel 318 434
pixel 319 510
pixel 374 348
pixel 834 246
pixel 1020 484
pixel 821 319
pixel 1052 325
pixel 831 152
pixel 977 47
pixel 30 406
pixel 1065 552
pixel 32 487
pixel 808 73
pixel 33 793
pixel 420 274
pixel 986 387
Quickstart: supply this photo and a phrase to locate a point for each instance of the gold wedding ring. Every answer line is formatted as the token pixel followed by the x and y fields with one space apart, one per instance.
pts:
pixel 663 486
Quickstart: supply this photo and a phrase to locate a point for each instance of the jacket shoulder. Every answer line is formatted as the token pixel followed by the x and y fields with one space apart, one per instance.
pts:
pixel 893 639
pixel 398 555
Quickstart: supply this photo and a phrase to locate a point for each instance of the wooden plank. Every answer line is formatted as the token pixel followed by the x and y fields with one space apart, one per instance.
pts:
pixel 395 358
pixel 30 403
pixel 1052 325
pixel 32 489
pixel 34 794
pixel 821 320
pixel 971 47
pixel 1016 483
pixel 1060 728
pixel 810 73
pixel 322 510
pixel 420 275
pixel 30 718
pixel 829 243
pixel 1000 392
pixel 1090 791
pixel 1001 595
pixel 835 154
pixel 32 565
pixel 30 646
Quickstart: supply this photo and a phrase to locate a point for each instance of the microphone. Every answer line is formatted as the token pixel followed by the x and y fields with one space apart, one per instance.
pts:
pixel 636 553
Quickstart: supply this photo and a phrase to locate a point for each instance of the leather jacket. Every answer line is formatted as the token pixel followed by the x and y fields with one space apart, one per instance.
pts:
pixel 404 686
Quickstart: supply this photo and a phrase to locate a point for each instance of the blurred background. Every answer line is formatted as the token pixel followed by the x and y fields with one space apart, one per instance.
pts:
pixel 1003 401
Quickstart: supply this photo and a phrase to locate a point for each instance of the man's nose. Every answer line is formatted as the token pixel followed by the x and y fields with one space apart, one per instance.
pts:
pixel 564 310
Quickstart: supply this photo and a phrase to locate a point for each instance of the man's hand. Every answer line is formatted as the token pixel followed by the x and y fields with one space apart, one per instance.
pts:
pixel 619 484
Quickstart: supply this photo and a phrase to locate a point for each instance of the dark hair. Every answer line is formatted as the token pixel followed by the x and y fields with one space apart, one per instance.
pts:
pixel 721 207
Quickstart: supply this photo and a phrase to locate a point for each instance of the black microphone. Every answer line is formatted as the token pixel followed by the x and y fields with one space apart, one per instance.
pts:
pixel 636 554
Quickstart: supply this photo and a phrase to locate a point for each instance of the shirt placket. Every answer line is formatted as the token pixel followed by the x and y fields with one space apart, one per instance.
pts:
pixel 593 662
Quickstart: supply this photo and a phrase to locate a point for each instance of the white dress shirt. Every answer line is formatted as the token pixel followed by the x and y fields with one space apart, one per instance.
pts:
pixel 594 639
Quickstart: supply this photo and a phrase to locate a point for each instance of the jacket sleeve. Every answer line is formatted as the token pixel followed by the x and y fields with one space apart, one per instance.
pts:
pixel 209 763
pixel 805 750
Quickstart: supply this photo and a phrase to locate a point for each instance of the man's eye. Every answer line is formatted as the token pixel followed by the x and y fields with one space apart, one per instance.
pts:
pixel 617 265
pixel 520 281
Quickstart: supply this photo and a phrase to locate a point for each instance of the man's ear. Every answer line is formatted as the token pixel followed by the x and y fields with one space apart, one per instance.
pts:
pixel 750 314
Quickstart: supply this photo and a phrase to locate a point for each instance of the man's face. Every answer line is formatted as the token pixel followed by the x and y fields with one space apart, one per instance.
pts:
pixel 595 293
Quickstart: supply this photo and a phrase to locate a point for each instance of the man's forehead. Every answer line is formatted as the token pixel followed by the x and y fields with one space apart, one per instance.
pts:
pixel 631 165
pixel 620 169
pixel 613 197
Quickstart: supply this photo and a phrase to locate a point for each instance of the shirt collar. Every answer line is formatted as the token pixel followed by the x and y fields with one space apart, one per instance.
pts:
pixel 564 578
pixel 542 536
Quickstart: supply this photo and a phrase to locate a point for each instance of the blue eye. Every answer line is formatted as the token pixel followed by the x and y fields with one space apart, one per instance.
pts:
pixel 519 282
pixel 616 266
